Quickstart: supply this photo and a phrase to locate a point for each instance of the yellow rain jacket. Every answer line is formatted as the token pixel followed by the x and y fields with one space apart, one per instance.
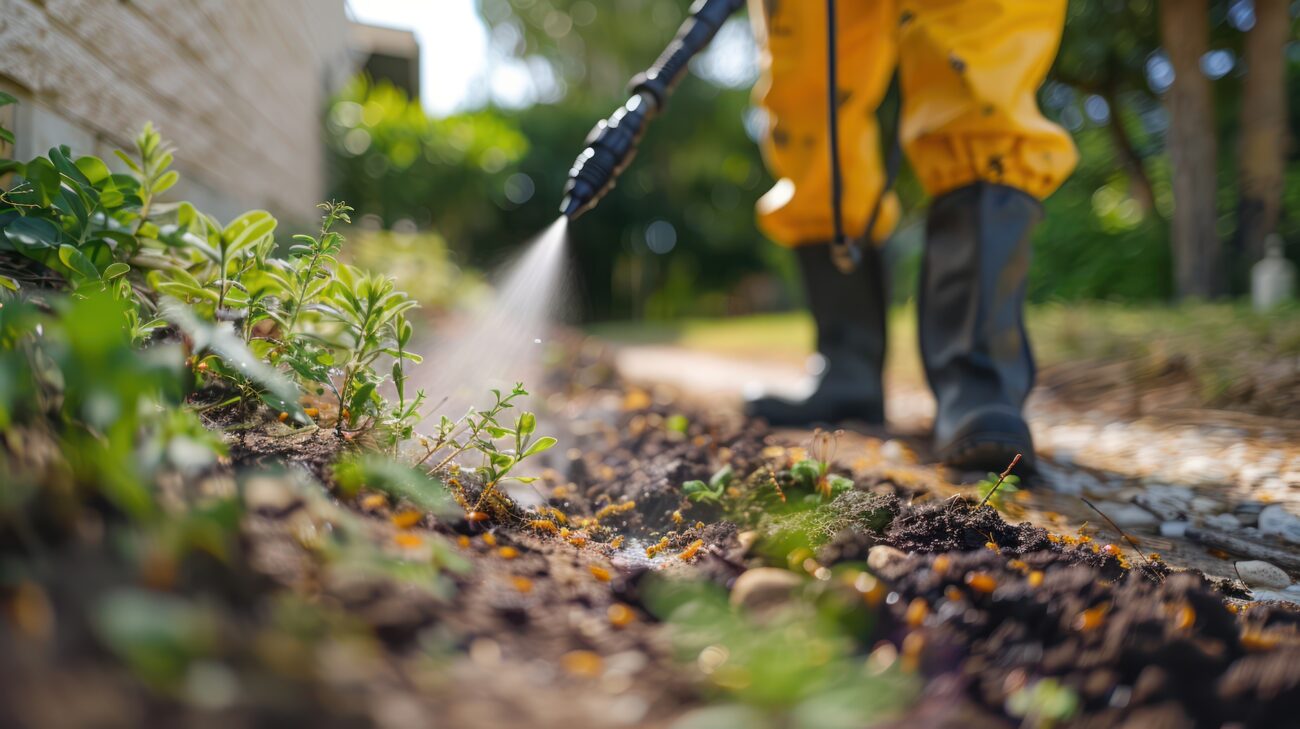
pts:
pixel 969 71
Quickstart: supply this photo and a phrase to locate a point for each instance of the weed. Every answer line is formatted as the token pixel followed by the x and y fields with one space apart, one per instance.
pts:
pixel 996 487
pixel 711 492
pixel 502 447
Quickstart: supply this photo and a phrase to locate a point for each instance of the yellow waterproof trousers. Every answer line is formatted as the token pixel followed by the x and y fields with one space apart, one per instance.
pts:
pixel 969 72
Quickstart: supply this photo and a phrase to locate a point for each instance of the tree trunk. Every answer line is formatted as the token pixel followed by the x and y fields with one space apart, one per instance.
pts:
pixel 1263 130
pixel 1193 156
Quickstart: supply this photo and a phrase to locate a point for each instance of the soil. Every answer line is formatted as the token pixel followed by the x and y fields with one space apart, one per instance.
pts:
pixel 522 625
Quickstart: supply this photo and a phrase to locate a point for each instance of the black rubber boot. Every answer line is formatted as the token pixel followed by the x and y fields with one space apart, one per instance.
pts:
pixel 849 310
pixel 971 313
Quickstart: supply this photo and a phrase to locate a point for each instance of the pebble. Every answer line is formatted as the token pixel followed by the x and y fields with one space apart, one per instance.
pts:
pixel 882 556
pixel 1128 515
pixel 269 495
pixel 1205 505
pixel 895 452
pixel 1275 596
pixel 1176 529
pixel 1226 522
pixel 1258 573
pixel 1247 512
pixel 764 587
pixel 1281 520
pixel 1168 501
pixel 747 539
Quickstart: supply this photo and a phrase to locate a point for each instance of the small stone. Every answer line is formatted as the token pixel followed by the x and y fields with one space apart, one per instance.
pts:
pixel 1128 515
pixel 1282 521
pixel 1205 505
pixel 1258 573
pixel 1247 513
pixel 1170 503
pixel 1226 522
pixel 882 556
pixel 896 452
pixel 1266 595
pixel 270 495
pixel 1177 529
pixel 764 587
pixel 747 539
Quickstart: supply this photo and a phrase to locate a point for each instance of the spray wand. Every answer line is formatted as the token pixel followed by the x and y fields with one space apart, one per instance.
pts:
pixel 612 144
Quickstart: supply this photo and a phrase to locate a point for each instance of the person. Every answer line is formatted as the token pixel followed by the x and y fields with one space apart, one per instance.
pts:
pixel 972 131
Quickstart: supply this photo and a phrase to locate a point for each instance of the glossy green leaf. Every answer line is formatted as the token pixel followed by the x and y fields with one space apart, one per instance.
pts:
pixel 33 234
pixel 94 169
pixel 77 262
pixel 541 445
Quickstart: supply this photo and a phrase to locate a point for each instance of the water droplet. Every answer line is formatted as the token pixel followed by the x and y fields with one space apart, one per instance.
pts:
pixel 537 341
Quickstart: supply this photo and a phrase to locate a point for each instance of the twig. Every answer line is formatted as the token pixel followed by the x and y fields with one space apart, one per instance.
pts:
pixel 1131 541
pixel 998 485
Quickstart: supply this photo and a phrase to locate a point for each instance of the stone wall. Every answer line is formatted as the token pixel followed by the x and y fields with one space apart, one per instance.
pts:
pixel 237 85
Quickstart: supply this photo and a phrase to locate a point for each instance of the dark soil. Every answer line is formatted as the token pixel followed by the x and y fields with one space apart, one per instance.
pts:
pixel 545 628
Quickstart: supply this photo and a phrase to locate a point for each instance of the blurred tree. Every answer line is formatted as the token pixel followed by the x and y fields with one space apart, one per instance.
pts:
pixel 389 159
pixel 1193 149
pixel 1104 53
pixel 1264 135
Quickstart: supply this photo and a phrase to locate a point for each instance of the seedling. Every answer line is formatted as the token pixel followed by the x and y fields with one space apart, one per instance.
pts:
pixel 502 447
pixel 992 491
pixel 711 492
pixel 815 476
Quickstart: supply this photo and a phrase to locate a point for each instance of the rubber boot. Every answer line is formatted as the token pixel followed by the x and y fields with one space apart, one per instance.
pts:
pixel 971 316
pixel 849 311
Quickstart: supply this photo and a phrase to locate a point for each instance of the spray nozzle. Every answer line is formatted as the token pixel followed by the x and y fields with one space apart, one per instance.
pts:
pixel 611 146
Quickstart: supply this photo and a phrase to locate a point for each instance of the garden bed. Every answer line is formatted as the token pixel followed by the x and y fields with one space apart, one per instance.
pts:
pixel 220 511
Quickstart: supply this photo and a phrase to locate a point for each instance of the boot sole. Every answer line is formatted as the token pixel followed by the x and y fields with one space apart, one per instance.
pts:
pixel 989 454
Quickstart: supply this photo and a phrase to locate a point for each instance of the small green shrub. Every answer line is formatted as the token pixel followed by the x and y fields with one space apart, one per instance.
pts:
pixel 334 330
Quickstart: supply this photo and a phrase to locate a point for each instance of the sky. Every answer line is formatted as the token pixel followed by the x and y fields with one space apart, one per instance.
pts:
pixel 455 59
pixel 459 69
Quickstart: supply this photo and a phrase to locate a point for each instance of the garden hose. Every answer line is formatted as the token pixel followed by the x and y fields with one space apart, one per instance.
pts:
pixel 846 253
pixel 612 144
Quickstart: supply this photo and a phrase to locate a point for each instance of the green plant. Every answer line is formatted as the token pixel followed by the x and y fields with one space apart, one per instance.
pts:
pixel 72 377
pixel 711 492
pixel 502 447
pixel 71 216
pixel 329 326
pixel 6 135
pixel 1043 704
pixel 371 311
pixel 797 665
pixel 995 489
pixel 815 476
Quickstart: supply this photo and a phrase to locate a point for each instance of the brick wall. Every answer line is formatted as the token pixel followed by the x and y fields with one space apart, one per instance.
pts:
pixel 237 85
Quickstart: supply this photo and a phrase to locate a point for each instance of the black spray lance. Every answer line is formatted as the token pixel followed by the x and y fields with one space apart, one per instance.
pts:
pixel 612 144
